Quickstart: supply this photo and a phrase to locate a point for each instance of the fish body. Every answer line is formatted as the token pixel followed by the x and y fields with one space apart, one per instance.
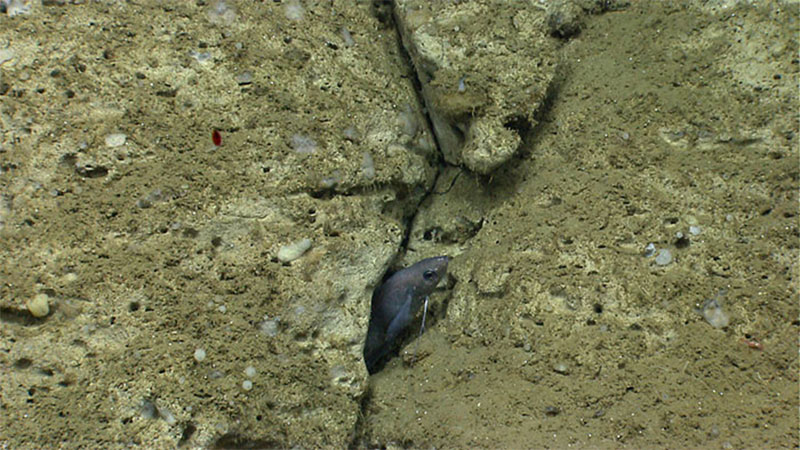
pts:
pixel 396 302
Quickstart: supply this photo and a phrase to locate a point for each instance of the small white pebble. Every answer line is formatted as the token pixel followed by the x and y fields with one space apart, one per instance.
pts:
pixel 222 309
pixel 290 252
pixel 6 54
pixel 561 368
pixel 17 7
pixel 269 327
pixel 244 78
pixel 694 230
pixel 222 13
pixel 303 145
pixel 116 140
pixel 664 257
pixel 650 250
pixel 351 134
pixel 167 415
pixel 294 10
pixel 201 57
pixel 347 37
pixel 199 355
pixel 331 181
pixel 367 166
pixel 250 371
pixel 247 385
pixel 39 305
pixel 70 277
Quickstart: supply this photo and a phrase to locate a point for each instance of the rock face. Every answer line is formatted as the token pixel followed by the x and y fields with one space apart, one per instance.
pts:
pixel 559 330
pixel 145 300
pixel 165 242
pixel 485 68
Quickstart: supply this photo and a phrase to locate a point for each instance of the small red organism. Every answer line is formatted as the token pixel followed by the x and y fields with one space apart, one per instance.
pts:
pixel 753 343
pixel 216 138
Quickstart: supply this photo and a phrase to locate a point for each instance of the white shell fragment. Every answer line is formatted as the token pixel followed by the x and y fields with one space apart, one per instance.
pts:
pixel 713 313
pixel 367 166
pixel 290 252
pixel 116 140
pixel 269 326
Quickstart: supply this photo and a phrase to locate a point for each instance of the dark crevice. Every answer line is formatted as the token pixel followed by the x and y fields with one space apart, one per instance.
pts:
pixel 421 104
pixel 19 316
pixel 385 12
pixel 233 440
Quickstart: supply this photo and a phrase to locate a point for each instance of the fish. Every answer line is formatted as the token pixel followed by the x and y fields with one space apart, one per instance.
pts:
pixel 396 302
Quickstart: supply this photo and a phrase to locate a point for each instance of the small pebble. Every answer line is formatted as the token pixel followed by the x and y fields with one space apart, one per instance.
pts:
pixel 200 56
pixel 351 134
pixel 294 10
pixel 714 315
pixel 115 140
pixel 561 368
pixel 527 347
pixel 39 305
pixel 199 355
pixel 332 180
pixel 694 230
pixel 244 78
pixel 347 37
pixel 148 409
pixel 167 415
pixel 6 54
pixel 250 371
pixel 269 327
pixel 367 166
pixel 16 7
pixel 290 252
pixel 664 257
pixel 650 250
pixel 303 145
pixel 247 385
pixel 551 410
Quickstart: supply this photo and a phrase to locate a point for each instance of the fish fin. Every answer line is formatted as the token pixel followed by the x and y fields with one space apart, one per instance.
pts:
pixel 401 320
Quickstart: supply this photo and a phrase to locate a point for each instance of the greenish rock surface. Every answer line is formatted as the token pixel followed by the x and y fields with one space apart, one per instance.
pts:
pixel 663 117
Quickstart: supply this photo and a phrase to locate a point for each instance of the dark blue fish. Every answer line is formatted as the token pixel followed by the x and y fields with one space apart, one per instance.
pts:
pixel 396 302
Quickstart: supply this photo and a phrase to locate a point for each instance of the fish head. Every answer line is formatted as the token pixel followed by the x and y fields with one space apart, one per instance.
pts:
pixel 428 273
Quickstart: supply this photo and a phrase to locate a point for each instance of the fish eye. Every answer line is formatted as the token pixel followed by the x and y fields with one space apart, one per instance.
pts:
pixel 429 275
